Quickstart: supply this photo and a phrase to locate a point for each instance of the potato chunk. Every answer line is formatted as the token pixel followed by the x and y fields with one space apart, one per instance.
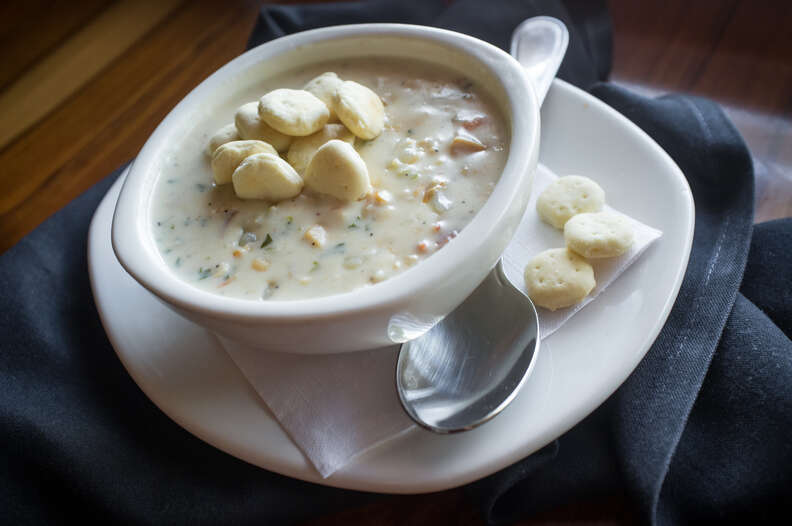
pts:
pixel 466 144
pixel 316 236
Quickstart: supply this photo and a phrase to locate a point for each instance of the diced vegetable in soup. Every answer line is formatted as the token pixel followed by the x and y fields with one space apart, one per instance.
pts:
pixel 305 202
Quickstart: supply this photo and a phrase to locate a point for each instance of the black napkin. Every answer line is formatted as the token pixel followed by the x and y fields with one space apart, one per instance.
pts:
pixel 702 430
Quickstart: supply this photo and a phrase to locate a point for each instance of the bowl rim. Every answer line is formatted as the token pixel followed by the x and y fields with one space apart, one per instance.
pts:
pixel 128 228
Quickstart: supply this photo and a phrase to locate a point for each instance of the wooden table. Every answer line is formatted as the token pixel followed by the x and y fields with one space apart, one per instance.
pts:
pixel 83 84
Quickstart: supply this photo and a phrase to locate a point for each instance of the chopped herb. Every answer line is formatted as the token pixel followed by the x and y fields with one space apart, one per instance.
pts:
pixel 371 234
pixel 171 181
pixel 351 226
pixel 410 131
pixel 200 187
pixel 226 277
pixel 204 273
pixel 414 176
pixel 289 220
pixel 173 227
pixel 315 266
pixel 267 241
pixel 339 248
pixel 178 262
pixel 159 223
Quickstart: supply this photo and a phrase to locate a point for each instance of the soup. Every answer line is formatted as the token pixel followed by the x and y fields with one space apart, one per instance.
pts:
pixel 431 169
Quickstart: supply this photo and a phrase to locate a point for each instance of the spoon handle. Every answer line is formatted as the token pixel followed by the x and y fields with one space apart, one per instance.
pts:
pixel 539 44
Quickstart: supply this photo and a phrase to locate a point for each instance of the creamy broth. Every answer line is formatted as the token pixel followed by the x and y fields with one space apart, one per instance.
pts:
pixel 426 188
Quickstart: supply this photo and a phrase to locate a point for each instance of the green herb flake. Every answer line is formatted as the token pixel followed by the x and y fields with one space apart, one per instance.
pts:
pixel 289 220
pixel 178 262
pixel 267 241
pixel 204 273
pixel 339 248
pixel 315 266
pixel 201 187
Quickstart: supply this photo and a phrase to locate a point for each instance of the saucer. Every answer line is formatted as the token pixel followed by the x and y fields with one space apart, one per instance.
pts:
pixel 185 371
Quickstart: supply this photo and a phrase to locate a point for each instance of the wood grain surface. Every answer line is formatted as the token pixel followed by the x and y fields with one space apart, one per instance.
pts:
pixel 57 142
pixel 106 121
pixel 738 52
pixel 108 87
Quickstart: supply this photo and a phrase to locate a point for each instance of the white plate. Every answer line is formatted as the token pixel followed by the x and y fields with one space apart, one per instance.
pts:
pixel 182 368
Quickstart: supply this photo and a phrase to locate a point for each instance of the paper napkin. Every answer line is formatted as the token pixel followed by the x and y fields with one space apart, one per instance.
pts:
pixel 338 406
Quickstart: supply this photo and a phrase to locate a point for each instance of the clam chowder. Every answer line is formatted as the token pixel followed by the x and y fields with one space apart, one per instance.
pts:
pixel 327 182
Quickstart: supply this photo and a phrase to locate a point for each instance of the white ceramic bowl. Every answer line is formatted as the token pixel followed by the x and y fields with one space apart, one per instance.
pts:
pixel 397 309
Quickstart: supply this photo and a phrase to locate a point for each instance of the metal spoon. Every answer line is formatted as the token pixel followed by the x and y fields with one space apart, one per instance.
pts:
pixel 471 365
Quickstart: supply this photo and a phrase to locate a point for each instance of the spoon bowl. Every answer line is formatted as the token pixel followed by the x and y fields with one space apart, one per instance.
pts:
pixel 466 370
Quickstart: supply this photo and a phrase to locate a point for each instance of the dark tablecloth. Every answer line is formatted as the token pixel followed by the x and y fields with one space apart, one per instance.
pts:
pixel 701 431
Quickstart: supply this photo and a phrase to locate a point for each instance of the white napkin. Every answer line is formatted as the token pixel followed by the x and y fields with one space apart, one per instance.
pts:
pixel 333 413
pixel 534 235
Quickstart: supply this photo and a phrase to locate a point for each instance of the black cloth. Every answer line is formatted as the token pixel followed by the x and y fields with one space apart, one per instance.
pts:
pixel 701 431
